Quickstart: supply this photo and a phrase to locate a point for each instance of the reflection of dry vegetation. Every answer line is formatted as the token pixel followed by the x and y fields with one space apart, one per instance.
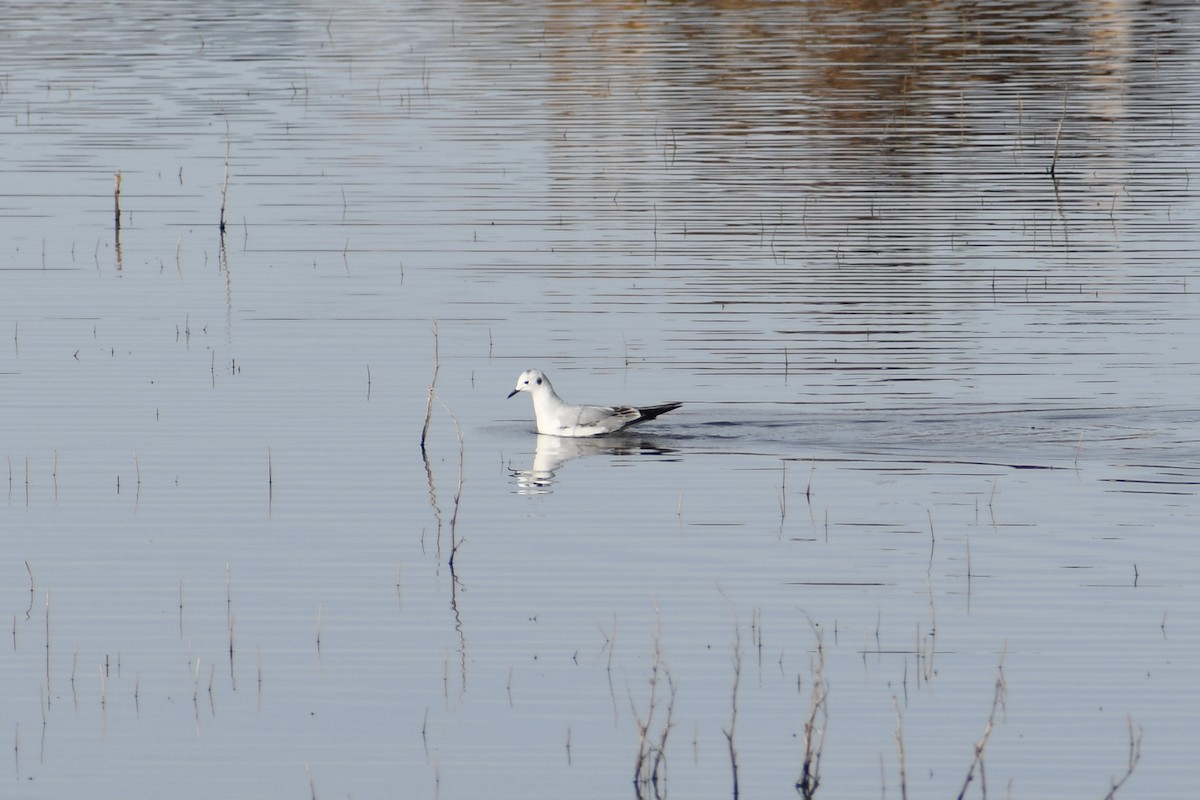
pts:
pixel 455 540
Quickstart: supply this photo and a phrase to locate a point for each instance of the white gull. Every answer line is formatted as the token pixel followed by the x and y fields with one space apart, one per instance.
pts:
pixel 556 417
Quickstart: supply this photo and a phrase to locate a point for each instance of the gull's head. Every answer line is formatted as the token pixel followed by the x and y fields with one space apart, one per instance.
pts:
pixel 529 381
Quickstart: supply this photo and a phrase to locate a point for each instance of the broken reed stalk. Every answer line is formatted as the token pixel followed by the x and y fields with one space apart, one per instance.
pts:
pixel 437 366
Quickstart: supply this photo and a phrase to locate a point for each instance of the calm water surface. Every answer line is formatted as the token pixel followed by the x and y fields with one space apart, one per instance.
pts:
pixel 940 432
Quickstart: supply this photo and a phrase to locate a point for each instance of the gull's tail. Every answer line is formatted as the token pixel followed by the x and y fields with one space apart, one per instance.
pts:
pixel 650 412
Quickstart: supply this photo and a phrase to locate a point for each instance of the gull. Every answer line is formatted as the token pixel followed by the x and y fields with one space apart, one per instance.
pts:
pixel 556 417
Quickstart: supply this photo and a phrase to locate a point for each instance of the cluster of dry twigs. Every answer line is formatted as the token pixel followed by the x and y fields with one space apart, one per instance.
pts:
pixel 654 726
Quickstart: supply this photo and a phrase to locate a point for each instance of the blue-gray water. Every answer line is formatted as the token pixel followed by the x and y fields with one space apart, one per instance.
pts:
pixel 940 426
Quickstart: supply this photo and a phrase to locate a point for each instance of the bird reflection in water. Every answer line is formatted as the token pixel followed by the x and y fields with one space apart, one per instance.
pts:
pixel 552 452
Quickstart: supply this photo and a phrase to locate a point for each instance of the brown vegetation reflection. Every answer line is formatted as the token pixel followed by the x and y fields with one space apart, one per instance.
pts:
pixel 853 91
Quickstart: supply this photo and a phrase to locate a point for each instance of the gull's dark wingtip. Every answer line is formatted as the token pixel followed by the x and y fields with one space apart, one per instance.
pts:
pixel 650 412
